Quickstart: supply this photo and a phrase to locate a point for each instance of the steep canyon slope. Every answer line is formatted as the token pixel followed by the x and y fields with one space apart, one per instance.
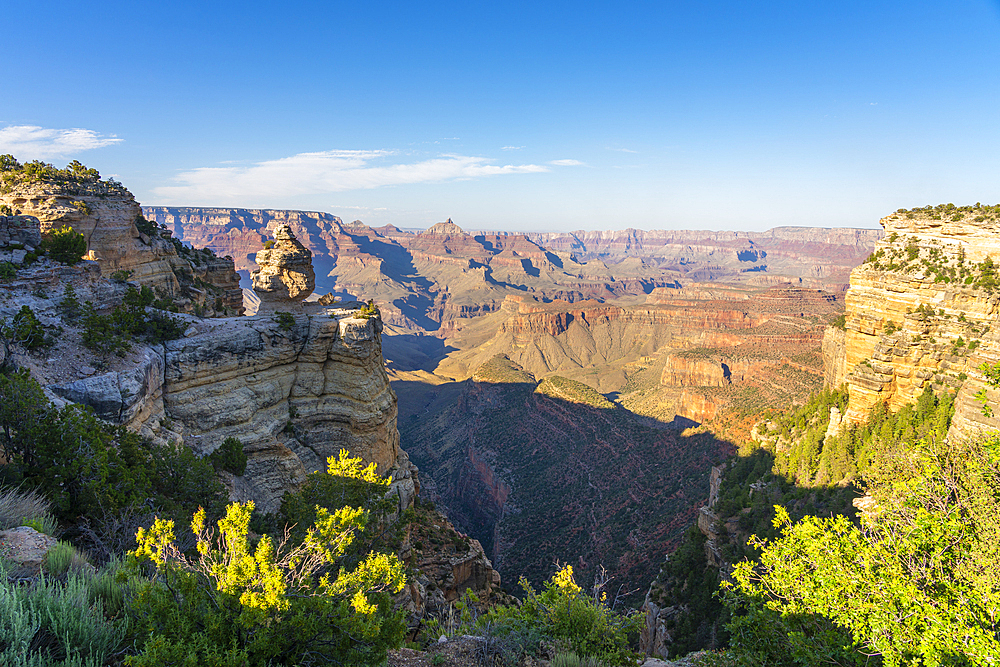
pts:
pixel 919 337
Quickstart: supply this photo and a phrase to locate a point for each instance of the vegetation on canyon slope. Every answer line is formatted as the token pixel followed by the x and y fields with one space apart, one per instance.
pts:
pixel 212 597
pixel 908 580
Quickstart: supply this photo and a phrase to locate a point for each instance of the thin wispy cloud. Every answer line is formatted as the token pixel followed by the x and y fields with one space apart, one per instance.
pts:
pixel 567 163
pixel 511 148
pixel 622 150
pixel 327 171
pixel 31 142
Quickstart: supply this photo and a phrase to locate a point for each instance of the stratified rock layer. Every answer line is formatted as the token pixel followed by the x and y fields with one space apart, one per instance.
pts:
pixel 107 221
pixel 286 275
pixel 920 312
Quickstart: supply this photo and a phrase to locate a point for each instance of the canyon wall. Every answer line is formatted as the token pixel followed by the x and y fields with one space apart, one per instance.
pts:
pixel 293 388
pixel 920 312
pixel 438 279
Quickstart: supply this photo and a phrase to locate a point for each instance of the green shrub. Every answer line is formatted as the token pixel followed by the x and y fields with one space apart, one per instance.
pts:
pixel 62 558
pixel 69 305
pixel 26 330
pixel 122 275
pixel 345 483
pixel 82 207
pixel 147 227
pixel 840 322
pixel 45 523
pixel 7 271
pixel 915 584
pixel 268 244
pixel 65 245
pixel 86 466
pixel 54 623
pixel 565 660
pixel 284 320
pixel 229 456
pixel 236 605
pixel 113 333
pixel 369 311
pixel 561 613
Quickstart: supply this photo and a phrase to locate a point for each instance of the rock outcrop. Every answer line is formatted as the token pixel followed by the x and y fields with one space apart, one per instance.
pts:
pixel 286 275
pixel 294 394
pixel 25 549
pixel 918 313
pixel 107 215
pixel 23 230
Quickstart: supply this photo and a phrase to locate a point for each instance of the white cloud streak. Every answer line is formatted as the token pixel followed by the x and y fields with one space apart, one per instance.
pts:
pixel 567 163
pixel 31 142
pixel 326 171
pixel 511 148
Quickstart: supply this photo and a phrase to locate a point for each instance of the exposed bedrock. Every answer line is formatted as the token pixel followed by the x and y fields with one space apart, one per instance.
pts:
pixel 285 275
pixel 293 393
pixel 108 223
pixel 294 396
pixel 918 315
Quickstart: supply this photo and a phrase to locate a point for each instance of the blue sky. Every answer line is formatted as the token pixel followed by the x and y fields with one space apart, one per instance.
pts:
pixel 533 116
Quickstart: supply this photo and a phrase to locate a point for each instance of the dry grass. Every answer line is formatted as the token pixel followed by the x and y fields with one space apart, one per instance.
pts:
pixel 18 505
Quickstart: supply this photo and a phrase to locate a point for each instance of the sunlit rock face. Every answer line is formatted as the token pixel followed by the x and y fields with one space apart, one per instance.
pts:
pixel 918 314
pixel 196 281
pixel 285 277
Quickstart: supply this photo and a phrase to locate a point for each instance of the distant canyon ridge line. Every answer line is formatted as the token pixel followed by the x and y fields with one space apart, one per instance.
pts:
pixel 429 281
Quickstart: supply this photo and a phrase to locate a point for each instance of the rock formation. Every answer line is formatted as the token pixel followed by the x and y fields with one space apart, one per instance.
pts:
pixel 107 214
pixel 294 390
pixel 920 312
pixel 439 279
pixel 23 230
pixel 286 275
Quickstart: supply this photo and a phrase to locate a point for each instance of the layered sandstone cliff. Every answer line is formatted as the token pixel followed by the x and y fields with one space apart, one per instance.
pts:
pixel 920 311
pixel 107 215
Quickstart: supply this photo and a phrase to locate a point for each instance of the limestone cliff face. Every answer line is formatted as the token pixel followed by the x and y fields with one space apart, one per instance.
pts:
pixel 918 312
pixel 294 396
pixel 106 215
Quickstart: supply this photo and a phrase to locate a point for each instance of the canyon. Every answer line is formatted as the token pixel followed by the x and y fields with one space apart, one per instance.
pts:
pixel 433 280
pixel 676 328
pixel 921 311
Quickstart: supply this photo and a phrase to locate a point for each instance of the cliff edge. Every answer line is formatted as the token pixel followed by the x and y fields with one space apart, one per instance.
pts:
pixel 922 310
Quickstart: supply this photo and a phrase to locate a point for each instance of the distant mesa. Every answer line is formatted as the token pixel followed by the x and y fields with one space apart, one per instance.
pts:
pixel 446 227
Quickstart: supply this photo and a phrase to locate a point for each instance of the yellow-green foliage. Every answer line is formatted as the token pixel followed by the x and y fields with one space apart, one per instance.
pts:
pixel 272 602
pixel 368 311
pixel 562 614
pixel 917 583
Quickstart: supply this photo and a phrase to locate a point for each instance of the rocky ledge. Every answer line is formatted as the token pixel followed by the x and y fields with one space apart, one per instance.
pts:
pixel 922 311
